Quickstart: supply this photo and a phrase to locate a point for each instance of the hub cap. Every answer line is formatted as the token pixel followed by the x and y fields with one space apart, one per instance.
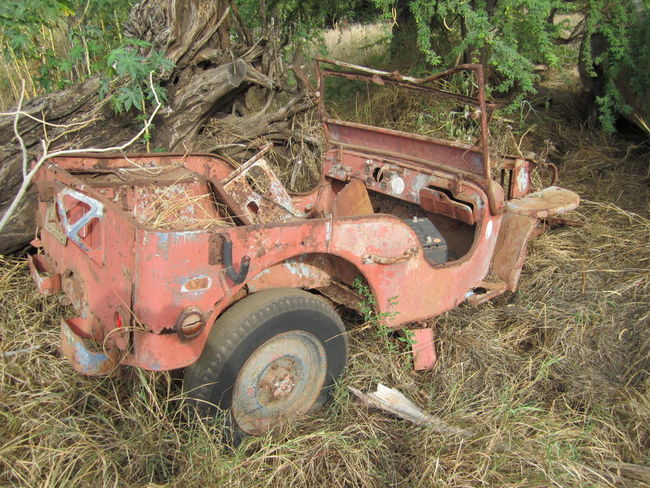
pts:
pixel 281 379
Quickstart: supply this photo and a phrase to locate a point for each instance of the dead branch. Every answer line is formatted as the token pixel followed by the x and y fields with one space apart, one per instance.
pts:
pixel 28 176
pixel 21 142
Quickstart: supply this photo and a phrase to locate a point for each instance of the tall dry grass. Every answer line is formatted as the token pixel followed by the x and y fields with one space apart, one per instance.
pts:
pixel 553 378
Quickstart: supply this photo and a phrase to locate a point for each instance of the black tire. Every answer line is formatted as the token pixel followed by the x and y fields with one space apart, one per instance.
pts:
pixel 246 361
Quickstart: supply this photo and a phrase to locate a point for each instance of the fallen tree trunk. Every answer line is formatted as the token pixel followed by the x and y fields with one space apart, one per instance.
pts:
pixel 211 78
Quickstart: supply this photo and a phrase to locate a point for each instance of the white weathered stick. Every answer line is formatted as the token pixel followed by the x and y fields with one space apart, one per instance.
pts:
pixel 394 402
pixel 21 142
pixel 29 176
pixel 9 354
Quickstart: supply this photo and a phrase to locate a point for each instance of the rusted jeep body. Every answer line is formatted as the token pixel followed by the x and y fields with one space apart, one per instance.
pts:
pixel 423 222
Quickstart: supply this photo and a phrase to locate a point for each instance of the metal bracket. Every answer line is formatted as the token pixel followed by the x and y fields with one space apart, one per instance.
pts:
pixel 96 211
pixel 53 225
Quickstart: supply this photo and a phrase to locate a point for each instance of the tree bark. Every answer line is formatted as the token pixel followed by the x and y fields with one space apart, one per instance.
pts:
pixel 212 75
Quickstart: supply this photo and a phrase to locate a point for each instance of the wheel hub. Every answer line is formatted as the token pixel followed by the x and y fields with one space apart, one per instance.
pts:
pixel 279 381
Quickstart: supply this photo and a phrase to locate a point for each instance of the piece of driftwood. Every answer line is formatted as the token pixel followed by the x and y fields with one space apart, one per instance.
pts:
pixel 395 403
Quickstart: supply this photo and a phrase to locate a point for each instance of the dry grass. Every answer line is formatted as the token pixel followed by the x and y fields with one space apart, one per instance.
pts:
pixel 175 208
pixel 395 108
pixel 356 43
pixel 554 378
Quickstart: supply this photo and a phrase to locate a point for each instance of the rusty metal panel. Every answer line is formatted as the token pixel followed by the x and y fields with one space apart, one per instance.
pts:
pixel 352 200
pixel 423 348
pixel 519 223
pixel 510 251
pixel 257 194
pixel 169 267
pixel 379 140
pixel 438 202
pixel 544 203
pixel 48 282
pixel 272 251
pixel 520 183
pixel 306 271
pixel 82 358
pixel 485 290
pixel 97 284
pixel 406 181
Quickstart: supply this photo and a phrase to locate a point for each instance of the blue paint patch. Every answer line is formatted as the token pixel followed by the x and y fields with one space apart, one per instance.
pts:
pixel 83 359
pixel 90 362
pixel 182 237
pixel 163 243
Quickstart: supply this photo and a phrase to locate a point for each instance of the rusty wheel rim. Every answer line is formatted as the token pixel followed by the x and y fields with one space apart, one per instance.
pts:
pixel 281 379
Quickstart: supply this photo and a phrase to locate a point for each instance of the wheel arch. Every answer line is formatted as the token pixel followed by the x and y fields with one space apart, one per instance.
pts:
pixel 314 272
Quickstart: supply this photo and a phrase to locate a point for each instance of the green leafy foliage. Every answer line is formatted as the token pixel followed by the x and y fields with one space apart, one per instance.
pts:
pixel 508 36
pixel 55 43
pixel 129 69
pixel 301 20
pixel 368 309
pixel 66 41
pixel 616 53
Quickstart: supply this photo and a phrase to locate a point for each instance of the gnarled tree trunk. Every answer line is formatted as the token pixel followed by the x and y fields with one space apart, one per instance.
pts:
pixel 213 72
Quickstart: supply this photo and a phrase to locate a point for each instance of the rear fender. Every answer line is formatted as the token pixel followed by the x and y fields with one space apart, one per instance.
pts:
pixel 298 272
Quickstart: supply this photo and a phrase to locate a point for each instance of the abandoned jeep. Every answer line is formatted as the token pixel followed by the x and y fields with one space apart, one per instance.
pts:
pixel 184 261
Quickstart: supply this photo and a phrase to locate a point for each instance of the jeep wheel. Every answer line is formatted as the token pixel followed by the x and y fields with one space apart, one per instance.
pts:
pixel 272 356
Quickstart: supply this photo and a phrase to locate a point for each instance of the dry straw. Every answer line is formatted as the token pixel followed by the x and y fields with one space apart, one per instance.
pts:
pixel 175 208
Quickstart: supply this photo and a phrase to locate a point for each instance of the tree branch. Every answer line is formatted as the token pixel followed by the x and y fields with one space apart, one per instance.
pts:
pixel 29 176
pixel 21 142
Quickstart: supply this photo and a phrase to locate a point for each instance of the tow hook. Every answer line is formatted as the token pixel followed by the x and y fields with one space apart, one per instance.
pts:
pixel 236 277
